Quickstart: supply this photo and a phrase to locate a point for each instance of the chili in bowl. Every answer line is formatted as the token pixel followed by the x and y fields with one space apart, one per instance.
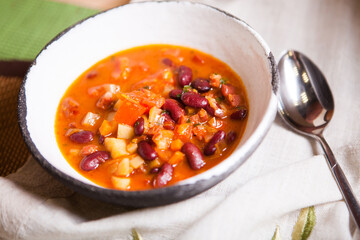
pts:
pixel 149 112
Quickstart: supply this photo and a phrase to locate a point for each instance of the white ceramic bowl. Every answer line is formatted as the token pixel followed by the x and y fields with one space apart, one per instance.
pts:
pixel 188 24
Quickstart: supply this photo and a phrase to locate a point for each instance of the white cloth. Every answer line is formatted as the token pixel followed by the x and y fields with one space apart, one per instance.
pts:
pixel 286 173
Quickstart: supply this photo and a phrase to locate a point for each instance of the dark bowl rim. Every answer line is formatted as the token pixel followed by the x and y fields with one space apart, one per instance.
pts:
pixel 97 192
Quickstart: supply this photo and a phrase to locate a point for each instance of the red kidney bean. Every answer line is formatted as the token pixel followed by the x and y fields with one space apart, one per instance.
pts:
pixel 146 151
pixel 82 137
pixel 239 114
pixel 101 139
pixel 193 155
pixel 154 170
pixel 210 147
pixel 201 84
pixel 184 75
pixel 169 123
pixel 175 94
pixel 164 176
pixel 230 137
pixel 193 99
pixel 168 62
pixel 210 110
pixel 92 161
pixel 173 107
pixel 139 126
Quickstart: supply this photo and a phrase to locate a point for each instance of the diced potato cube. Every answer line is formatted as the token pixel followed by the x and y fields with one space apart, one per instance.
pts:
pixel 155 118
pixel 120 183
pixel 117 104
pixel 190 110
pixel 154 164
pixel 125 131
pixel 177 157
pixel 131 147
pixel 146 123
pixel 123 168
pixel 167 89
pixel 176 145
pixel 164 155
pixel 112 88
pixel 107 127
pixel 90 119
pixel 163 139
pixel 136 162
pixel 74 152
pixel 117 147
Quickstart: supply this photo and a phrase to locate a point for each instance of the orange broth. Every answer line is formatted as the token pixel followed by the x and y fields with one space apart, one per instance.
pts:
pixel 144 68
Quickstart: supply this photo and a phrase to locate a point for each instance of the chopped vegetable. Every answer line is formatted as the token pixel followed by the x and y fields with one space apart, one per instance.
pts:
pixel 107 128
pixel 125 131
pixel 90 119
pixel 120 182
pixel 116 146
pixel 129 111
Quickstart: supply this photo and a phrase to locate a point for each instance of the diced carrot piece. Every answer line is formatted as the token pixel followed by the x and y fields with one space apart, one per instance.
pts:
pixel 163 139
pixel 164 155
pixel 183 131
pixel 176 145
pixel 107 127
pixel 128 112
pixel 176 158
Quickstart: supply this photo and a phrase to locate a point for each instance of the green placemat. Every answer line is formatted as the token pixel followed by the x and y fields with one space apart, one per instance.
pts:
pixel 26 26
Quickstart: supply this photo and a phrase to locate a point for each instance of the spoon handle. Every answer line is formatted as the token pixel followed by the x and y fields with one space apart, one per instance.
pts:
pixel 342 182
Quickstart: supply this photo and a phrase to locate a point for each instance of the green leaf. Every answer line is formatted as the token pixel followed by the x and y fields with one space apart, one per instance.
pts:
pixel 305 224
pixel 276 235
pixel 223 81
pixel 187 88
pixel 136 235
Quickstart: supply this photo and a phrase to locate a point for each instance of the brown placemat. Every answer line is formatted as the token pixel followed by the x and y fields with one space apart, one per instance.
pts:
pixel 13 151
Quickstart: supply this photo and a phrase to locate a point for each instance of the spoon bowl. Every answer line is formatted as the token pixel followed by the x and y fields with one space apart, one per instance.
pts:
pixel 306 104
pixel 305 99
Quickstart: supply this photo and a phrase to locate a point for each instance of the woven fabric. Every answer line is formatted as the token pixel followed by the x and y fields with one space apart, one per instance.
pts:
pixel 13 151
pixel 27 25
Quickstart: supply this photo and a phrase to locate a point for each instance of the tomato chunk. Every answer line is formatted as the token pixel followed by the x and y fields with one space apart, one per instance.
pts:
pixel 128 112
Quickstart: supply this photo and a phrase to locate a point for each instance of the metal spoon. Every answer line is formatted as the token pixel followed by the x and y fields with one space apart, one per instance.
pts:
pixel 306 104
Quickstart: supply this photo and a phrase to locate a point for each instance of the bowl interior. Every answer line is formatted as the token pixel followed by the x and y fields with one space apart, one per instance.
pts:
pixel 178 23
